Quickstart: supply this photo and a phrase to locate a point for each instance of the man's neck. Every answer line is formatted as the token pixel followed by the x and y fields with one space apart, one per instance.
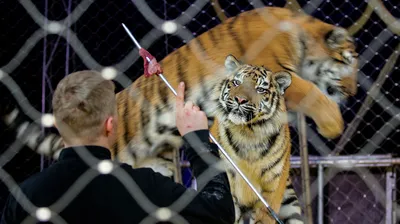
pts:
pixel 83 143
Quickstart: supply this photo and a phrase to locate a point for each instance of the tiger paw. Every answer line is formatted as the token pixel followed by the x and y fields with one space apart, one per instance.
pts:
pixel 158 165
pixel 164 169
pixel 329 121
pixel 331 132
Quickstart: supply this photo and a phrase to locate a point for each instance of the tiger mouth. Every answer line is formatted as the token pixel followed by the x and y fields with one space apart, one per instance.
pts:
pixel 237 119
pixel 238 112
pixel 239 116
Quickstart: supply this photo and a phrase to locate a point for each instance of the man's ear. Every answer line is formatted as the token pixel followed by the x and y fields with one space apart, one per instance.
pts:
pixel 55 123
pixel 109 125
pixel 231 63
pixel 283 79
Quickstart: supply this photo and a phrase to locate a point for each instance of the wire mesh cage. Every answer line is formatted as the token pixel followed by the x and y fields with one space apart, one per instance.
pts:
pixel 350 179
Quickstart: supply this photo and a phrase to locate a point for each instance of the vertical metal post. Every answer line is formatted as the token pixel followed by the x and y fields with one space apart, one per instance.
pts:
pixel 177 168
pixel 44 74
pixel 194 184
pixel 390 191
pixel 320 194
pixel 305 169
pixel 394 196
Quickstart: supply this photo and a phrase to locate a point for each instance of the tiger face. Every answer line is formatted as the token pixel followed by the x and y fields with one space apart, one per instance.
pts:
pixel 251 93
pixel 333 68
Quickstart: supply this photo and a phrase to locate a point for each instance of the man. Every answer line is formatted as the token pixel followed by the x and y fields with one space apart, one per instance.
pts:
pixel 83 186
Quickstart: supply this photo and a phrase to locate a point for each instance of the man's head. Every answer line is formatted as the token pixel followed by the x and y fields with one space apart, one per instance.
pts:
pixel 84 108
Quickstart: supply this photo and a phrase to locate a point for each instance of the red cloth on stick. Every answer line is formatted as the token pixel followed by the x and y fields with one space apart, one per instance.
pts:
pixel 149 68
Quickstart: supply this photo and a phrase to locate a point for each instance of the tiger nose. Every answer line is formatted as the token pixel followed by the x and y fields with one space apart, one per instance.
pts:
pixel 240 100
pixel 331 90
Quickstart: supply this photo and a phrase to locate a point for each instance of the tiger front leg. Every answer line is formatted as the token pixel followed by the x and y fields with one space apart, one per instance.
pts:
pixel 262 214
pixel 244 214
pixel 303 96
pixel 273 192
pixel 243 199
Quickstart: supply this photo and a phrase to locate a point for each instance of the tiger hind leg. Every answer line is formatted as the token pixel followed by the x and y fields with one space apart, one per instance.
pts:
pixel 290 212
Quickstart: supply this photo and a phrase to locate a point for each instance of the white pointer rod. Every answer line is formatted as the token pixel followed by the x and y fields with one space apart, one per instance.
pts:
pixel 274 215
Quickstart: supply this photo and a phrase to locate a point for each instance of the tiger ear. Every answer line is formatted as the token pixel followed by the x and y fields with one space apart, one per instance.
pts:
pixel 336 37
pixel 283 79
pixel 231 63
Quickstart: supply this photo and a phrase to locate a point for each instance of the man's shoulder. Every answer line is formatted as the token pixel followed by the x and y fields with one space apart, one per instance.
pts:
pixel 144 174
pixel 32 180
pixel 41 180
pixel 28 188
pixel 136 171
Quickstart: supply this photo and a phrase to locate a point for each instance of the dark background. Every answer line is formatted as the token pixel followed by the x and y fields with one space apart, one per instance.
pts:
pixel 99 29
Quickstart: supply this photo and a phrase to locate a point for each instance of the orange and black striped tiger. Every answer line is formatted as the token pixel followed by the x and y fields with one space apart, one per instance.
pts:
pixel 320 58
pixel 251 124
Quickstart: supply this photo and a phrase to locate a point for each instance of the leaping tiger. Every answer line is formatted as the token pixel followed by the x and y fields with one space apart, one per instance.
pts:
pixel 320 58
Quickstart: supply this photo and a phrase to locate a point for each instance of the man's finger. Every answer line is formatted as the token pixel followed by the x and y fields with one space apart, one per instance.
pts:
pixel 189 105
pixel 202 113
pixel 180 95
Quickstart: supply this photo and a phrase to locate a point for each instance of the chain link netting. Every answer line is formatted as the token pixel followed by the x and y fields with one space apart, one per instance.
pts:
pixel 352 179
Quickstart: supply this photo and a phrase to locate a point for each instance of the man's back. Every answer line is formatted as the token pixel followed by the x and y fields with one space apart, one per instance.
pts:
pixel 80 194
pixel 69 187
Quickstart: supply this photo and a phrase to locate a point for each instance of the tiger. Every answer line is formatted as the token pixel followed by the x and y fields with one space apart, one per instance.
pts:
pixel 252 126
pixel 320 57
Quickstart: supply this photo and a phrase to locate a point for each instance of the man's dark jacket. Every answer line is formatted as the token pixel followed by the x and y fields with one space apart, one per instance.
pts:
pixel 78 193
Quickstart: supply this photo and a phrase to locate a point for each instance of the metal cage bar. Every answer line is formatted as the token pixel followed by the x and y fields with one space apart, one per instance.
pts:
pixel 305 169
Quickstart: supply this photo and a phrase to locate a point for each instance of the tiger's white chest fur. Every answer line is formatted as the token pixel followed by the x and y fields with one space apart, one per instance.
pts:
pixel 249 147
pixel 258 156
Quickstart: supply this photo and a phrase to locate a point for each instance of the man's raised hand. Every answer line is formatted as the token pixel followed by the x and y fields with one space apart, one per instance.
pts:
pixel 188 116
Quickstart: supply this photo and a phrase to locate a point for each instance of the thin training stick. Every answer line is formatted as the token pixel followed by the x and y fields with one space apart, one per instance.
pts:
pixel 272 212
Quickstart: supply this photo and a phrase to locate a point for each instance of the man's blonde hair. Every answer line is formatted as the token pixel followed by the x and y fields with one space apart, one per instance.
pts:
pixel 81 103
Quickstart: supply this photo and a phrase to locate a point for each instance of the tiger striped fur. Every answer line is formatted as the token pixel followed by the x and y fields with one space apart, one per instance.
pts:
pixel 30 133
pixel 320 58
pixel 320 52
